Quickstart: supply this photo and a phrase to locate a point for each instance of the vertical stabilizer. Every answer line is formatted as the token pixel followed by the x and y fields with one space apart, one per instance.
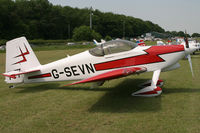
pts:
pixel 19 57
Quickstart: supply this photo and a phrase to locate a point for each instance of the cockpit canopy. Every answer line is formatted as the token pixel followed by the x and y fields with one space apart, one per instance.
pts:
pixel 111 47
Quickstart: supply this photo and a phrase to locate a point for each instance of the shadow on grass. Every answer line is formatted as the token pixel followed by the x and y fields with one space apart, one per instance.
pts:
pixel 120 101
pixel 53 86
pixel 38 88
pixel 117 99
pixel 181 90
pixel 127 86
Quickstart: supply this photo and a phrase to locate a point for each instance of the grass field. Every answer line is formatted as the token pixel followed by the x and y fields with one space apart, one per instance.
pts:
pixel 53 108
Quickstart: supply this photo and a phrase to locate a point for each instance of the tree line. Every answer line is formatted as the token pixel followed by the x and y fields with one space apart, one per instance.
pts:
pixel 181 34
pixel 39 19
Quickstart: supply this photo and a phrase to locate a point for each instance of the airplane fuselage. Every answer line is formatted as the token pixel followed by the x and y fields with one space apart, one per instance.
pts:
pixel 84 65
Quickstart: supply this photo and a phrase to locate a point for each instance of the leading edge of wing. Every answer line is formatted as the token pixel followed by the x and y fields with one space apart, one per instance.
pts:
pixel 112 75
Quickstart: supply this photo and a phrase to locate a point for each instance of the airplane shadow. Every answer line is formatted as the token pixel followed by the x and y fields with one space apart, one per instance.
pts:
pixel 181 90
pixel 52 86
pixel 117 99
pixel 38 88
pixel 120 100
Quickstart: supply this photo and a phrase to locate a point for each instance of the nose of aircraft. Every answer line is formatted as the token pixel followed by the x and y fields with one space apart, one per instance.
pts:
pixel 189 50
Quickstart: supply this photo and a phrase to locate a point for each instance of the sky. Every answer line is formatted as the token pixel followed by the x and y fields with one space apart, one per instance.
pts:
pixel 172 15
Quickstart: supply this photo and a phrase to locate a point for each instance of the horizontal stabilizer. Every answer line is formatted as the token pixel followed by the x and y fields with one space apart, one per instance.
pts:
pixel 113 74
pixel 13 74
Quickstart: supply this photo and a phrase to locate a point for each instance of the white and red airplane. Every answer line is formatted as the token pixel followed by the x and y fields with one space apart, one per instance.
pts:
pixel 110 60
pixel 98 43
pixel 140 42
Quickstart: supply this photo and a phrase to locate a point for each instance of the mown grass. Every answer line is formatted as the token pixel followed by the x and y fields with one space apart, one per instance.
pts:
pixel 52 107
pixel 50 47
pixel 46 47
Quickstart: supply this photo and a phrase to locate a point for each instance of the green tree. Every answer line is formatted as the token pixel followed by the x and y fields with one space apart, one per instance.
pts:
pixel 84 33
pixel 40 19
pixel 7 24
pixel 181 34
pixel 108 38
pixel 195 35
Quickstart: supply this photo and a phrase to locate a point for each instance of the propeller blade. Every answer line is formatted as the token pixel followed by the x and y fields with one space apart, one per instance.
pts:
pixel 190 62
pixel 186 40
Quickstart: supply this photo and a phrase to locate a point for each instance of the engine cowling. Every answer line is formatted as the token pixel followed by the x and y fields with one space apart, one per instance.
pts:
pixel 172 67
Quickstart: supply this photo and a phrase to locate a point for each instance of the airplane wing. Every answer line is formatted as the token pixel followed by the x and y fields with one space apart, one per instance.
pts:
pixel 112 75
pixel 13 74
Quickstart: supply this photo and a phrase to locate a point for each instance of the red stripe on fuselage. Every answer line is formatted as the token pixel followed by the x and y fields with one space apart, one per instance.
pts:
pixel 151 56
pixel 40 76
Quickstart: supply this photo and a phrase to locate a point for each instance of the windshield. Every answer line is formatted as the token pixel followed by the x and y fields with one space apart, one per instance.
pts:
pixel 111 47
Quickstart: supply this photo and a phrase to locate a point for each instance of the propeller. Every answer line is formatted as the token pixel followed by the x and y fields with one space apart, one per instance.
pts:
pixel 190 63
pixel 188 56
